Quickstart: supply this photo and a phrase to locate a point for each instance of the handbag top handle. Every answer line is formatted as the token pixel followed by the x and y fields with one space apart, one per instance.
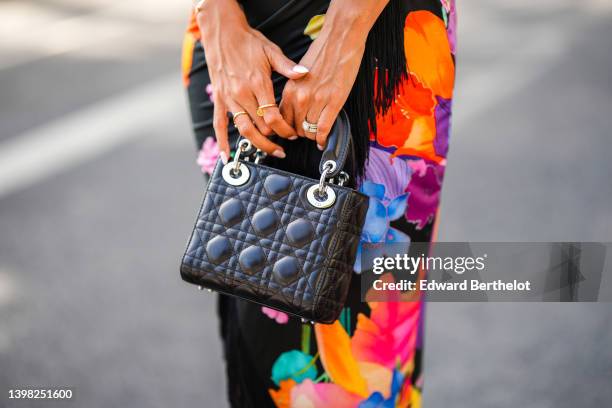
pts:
pixel 338 145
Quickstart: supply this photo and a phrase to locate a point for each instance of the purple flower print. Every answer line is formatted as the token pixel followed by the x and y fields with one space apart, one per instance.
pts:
pixel 424 190
pixel 392 173
pixel 208 155
pixel 386 181
pixel 442 115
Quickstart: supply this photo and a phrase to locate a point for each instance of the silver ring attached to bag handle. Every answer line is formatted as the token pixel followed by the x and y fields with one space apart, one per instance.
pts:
pixel 328 167
pixel 343 177
pixel 233 173
pixel 321 195
pixel 331 166
pixel 338 149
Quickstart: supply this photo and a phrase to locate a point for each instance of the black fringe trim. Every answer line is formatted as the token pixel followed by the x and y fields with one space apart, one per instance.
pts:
pixel 373 94
pixel 384 52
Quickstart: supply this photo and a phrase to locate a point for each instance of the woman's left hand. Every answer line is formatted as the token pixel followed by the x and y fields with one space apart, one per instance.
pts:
pixel 333 60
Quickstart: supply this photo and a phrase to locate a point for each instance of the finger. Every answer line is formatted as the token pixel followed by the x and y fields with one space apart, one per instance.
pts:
pixel 299 111
pixel 250 105
pixel 275 120
pixel 326 121
pixel 220 126
pixel 298 120
pixel 247 129
pixel 283 65
pixel 272 115
pixel 286 111
pixel 299 101
pixel 313 116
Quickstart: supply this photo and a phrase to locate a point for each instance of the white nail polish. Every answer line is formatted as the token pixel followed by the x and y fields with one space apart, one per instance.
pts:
pixel 300 69
pixel 279 153
pixel 293 137
pixel 223 156
pixel 320 147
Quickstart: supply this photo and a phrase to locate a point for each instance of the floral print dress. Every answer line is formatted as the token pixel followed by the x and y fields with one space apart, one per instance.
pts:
pixel 371 356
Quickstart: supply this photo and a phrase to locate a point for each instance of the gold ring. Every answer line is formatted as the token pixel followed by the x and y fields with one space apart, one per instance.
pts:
pixel 260 109
pixel 235 115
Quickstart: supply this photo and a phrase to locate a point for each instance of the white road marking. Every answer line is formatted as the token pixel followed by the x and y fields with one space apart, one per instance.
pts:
pixel 31 157
pixel 116 28
pixel 42 152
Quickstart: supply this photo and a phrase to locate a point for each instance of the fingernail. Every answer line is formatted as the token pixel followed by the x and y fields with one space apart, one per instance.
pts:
pixel 300 69
pixel 223 157
pixel 279 153
pixel 320 147
pixel 293 137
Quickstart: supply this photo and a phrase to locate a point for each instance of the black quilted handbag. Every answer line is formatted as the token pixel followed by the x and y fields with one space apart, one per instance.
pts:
pixel 279 239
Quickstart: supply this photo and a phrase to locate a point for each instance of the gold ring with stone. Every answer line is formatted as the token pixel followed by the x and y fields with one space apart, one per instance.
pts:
pixel 260 109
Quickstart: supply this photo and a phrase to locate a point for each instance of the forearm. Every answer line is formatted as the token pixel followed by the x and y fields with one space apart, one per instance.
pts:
pixel 213 15
pixel 240 62
pixel 345 31
pixel 334 58
pixel 352 20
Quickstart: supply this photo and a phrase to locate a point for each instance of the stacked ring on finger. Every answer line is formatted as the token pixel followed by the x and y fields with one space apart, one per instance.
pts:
pixel 236 115
pixel 260 109
pixel 309 127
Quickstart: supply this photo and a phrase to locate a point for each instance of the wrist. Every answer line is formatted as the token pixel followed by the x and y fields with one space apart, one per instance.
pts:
pixel 213 14
pixel 352 18
pixel 344 33
pixel 205 7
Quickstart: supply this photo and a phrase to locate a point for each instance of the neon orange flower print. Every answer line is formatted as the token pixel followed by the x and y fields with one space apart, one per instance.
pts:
pixel 428 52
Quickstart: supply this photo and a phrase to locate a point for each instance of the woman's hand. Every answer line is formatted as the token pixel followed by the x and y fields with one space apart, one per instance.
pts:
pixel 240 63
pixel 333 60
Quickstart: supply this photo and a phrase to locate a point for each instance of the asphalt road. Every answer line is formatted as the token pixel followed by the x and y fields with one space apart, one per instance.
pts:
pixel 103 187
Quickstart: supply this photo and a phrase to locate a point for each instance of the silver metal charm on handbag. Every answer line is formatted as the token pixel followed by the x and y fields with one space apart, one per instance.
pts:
pixel 318 195
pixel 321 195
pixel 233 173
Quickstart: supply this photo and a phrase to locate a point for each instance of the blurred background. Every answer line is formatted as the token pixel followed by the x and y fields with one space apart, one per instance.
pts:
pixel 99 187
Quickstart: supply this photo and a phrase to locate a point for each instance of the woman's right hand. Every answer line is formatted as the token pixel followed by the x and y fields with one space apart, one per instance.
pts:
pixel 240 63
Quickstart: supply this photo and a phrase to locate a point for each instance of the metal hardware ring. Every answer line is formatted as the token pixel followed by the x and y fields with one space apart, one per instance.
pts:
pixel 328 167
pixel 343 177
pixel 243 146
pixel 314 196
pixel 235 177
pixel 232 172
pixel 322 196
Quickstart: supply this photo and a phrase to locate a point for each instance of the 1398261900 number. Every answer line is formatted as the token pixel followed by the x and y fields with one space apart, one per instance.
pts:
pixel 40 393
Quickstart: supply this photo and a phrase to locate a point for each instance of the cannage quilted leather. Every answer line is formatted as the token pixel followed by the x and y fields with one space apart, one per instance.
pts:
pixel 264 242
